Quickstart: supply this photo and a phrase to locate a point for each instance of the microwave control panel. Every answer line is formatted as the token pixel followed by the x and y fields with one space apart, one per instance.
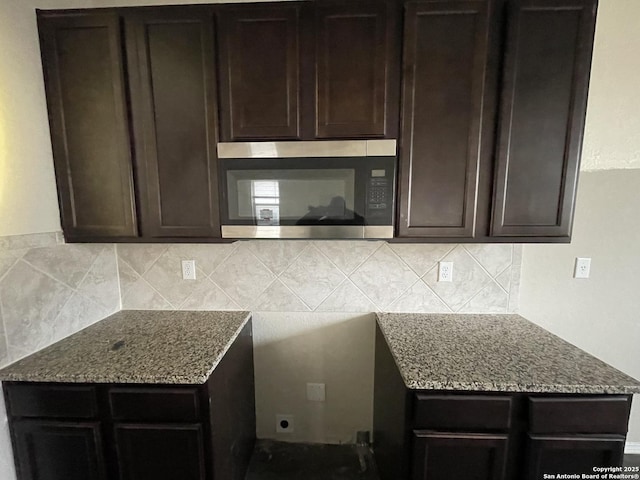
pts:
pixel 379 194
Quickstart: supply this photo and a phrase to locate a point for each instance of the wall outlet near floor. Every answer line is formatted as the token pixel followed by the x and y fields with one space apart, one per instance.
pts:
pixel 188 269
pixel 583 268
pixel 316 392
pixel 445 271
pixel 284 423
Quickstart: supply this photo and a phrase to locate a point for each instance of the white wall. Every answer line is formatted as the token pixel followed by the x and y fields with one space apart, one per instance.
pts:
pixel 613 117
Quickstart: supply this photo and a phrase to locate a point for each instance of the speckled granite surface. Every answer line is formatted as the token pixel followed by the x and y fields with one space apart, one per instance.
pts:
pixel 504 353
pixel 165 347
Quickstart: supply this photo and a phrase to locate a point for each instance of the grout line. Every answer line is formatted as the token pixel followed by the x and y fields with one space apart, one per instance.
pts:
pixel 115 252
pixel 89 269
pixel 16 260
pixel 234 247
pixel 48 275
pixel 164 250
pixel 478 262
pixel 430 268
pixel 156 291
pixel 436 293
pixel 364 294
pixel 498 283
pixel 4 329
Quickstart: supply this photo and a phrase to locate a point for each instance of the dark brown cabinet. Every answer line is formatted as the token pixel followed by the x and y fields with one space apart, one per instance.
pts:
pixel 454 182
pixel 491 93
pixel 84 78
pixel 447 124
pixel 452 435
pixel 64 431
pixel 56 450
pixel 295 71
pixel 572 454
pixel 259 72
pixel 446 456
pixel 161 452
pixel 543 104
pixel 173 97
pixel 356 70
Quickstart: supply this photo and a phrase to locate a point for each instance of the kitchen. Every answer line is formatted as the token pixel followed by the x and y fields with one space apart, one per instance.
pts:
pixel 306 330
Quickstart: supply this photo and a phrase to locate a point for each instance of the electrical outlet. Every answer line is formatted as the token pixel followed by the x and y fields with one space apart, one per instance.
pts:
pixel 316 392
pixel 583 268
pixel 284 423
pixel 188 269
pixel 445 271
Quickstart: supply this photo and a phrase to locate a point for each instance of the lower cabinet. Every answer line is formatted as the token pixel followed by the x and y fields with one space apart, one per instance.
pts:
pixel 575 454
pixel 52 450
pixel 447 456
pixel 161 452
pixel 137 431
pixel 453 435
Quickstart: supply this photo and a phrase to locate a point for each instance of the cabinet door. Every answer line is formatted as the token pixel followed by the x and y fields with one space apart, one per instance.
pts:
pixel 544 98
pixel 160 452
pixel 173 93
pixel 357 70
pixel 572 454
pixel 259 72
pixel 58 450
pixel 82 59
pixel 459 456
pixel 448 94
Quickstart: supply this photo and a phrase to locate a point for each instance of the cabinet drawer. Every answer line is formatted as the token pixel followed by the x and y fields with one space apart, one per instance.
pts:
pixel 155 404
pixel 579 415
pixel 51 401
pixel 468 412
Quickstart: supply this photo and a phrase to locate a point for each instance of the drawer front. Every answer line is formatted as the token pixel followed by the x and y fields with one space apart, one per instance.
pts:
pixel 51 401
pixel 579 415
pixel 462 412
pixel 155 404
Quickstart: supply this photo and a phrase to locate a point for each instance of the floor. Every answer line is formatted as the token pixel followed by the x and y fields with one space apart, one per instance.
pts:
pixel 292 461
pixel 295 461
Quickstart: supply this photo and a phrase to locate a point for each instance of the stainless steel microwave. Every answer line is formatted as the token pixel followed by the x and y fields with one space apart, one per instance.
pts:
pixel 323 189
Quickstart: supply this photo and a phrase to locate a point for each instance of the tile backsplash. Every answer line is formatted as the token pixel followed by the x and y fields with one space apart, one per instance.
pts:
pixel 49 290
pixel 321 276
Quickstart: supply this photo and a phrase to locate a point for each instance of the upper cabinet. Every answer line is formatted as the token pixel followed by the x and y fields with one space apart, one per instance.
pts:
pixel 357 70
pixel 85 84
pixel 173 98
pixel 527 89
pixel 448 89
pixel 487 99
pixel 543 105
pixel 259 72
pixel 296 71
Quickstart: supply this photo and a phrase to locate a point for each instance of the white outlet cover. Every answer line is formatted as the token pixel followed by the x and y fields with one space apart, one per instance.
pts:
pixel 188 269
pixel 316 392
pixel 284 423
pixel 583 268
pixel 445 271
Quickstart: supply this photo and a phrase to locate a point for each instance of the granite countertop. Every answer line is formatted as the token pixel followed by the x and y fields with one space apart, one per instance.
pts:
pixel 135 346
pixel 504 353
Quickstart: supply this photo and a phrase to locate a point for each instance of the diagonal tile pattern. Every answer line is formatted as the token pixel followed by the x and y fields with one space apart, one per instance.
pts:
pixel 49 290
pixel 312 277
pixel 327 276
pixel 384 277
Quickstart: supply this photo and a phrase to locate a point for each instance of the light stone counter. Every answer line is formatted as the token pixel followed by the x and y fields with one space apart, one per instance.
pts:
pixel 501 353
pixel 136 346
